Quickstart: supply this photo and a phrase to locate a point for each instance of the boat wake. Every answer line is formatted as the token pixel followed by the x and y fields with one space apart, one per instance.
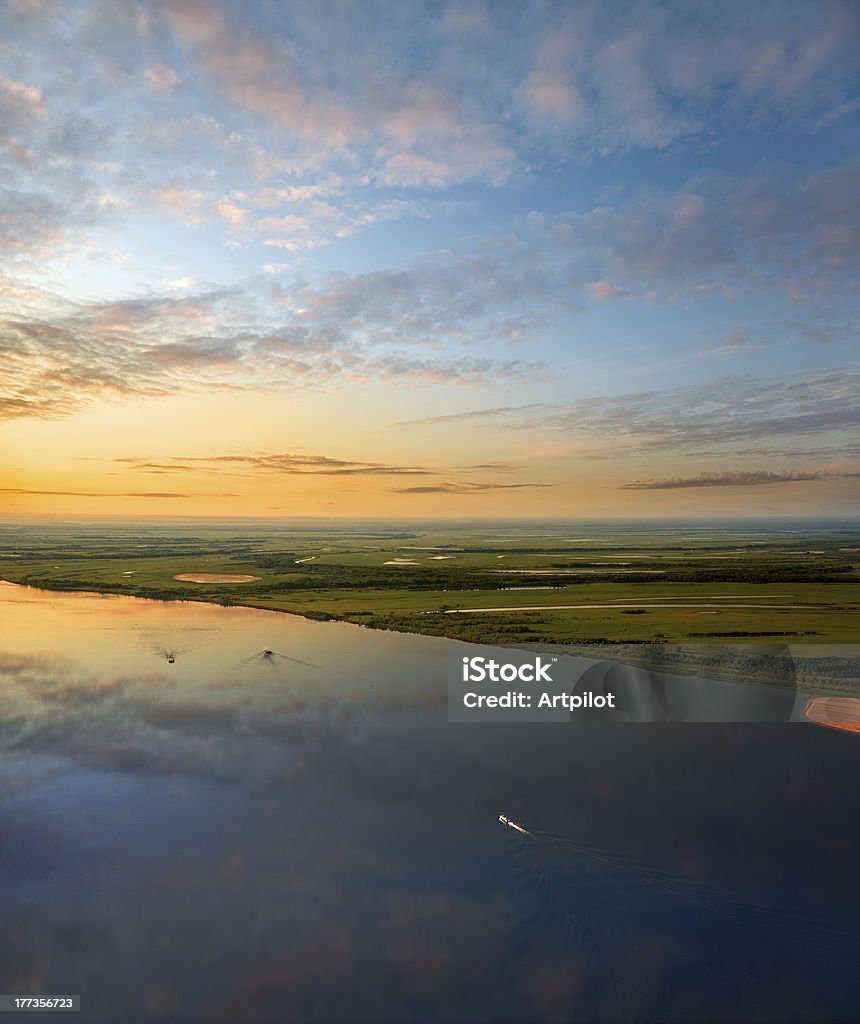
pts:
pixel 778 919
pixel 273 659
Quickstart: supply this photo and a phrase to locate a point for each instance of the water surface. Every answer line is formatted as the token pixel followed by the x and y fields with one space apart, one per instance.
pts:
pixel 304 836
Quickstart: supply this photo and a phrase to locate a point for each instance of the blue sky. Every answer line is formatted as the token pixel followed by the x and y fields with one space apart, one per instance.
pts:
pixel 612 248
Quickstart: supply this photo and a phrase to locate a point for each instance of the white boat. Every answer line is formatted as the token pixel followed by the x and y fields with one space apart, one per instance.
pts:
pixel 512 824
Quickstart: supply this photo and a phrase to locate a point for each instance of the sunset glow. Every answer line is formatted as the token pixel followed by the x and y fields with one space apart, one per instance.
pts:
pixel 437 259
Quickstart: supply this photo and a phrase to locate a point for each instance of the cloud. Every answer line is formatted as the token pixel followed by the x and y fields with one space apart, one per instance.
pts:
pixel 592 78
pixel 110 494
pixel 604 291
pixel 289 130
pixel 715 234
pixel 21 101
pixel 552 96
pixel 500 411
pixel 58 355
pixel 157 467
pixel 721 412
pixel 322 104
pixel 179 201
pixel 292 464
pixel 711 417
pixel 161 77
pixel 399 367
pixel 464 488
pixel 844 449
pixel 733 478
pixel 285 463
pixel 257 73
pixel 45 210
pixel 478 295
pixel 293 244
pixel 234 215
pixel 287 224
pixel 503 467
pixel 270 196
pixel 411 170
pixel 637 75
pixel 719 233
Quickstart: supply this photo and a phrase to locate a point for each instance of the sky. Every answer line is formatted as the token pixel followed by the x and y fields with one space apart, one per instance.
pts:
pixel 431 259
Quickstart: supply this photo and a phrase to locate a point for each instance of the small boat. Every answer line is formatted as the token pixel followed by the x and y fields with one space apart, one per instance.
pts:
pixel 170 659
pixel 512 824
pixel 267 653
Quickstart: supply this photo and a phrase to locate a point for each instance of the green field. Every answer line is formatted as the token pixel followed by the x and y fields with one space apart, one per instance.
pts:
pixel 653 582
pixel 683 583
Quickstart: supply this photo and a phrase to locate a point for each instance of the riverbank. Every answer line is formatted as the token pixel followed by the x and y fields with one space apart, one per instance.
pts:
pixel 831 673
pixel 835 712
pixel 700 589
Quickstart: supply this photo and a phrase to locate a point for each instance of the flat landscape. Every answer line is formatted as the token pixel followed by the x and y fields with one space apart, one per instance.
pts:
pixel 380 382
pixel 658 583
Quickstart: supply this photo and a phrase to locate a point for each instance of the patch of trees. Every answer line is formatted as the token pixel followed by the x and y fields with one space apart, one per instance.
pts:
pixel 754 574
pixel 276 560
pixel 319 575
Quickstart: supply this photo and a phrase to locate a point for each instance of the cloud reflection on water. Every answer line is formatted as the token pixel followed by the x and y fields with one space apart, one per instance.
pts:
pixel 223 843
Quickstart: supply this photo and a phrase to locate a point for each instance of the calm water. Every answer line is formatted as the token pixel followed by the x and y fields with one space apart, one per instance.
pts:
pixel 305 837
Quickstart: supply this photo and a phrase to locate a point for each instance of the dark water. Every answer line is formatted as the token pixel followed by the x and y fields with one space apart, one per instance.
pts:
pixel 304 837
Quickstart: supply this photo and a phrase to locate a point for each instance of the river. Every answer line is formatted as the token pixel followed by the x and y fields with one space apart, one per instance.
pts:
pixel 304 836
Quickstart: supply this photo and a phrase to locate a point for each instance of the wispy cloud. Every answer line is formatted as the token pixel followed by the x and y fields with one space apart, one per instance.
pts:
pixel 723 412
pixel 110 494
pixel 408 104
pixel 771 235
pixel 695 419
pixel 720 234
pixel 161 77
pixel 597 78
pixel 733 478
pixel 283 462
pixel 493 412
pixel 464 488
pixel 58 355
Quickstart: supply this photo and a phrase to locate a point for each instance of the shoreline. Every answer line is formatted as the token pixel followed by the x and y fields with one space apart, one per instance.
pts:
pixel 842 713
pixel 824 695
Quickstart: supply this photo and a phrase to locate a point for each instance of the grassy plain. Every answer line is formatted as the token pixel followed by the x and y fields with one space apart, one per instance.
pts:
pixel 721 582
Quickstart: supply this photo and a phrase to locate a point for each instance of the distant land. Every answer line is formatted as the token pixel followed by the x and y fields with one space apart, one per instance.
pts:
pixel 690 586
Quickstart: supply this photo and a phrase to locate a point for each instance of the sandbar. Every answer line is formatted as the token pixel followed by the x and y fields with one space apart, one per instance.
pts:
pixel 834 712
pixel 214 577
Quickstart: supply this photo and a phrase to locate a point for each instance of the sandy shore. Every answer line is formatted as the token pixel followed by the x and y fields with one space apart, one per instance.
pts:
pixel 835 712
pixel 214 577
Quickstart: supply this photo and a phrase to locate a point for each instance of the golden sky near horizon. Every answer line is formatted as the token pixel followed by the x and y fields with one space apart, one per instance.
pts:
pixel 220 455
